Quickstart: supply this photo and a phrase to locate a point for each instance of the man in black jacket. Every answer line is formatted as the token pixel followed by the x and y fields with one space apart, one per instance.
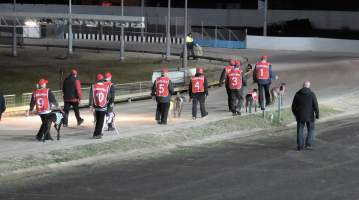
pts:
pixel 305 108
pixel 2 104
pixel 198 91
pixel 71 89
pixel 162 90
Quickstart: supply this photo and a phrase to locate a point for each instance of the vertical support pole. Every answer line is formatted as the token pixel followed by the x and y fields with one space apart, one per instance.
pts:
pixel 168 40
pixel 265 17
pixel 142 14
pixel 14 35
pixel 279 107
pixel 122 41
pixel 185 61
pixel 70 30
pixel 202 29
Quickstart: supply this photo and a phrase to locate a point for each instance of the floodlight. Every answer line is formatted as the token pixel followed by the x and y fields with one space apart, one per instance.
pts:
pixel 31 23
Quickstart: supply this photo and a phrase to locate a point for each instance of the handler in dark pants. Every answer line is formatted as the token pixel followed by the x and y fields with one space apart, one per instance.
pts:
pixel 100 97
pixel 162 89
pixel 305 108
pixel 262 74
pixel 198 91
pixel 222 80
pixel 236 81
pixel 43 99
pixel 71 89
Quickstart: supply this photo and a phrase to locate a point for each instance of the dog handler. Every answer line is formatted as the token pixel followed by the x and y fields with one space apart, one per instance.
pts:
pixel 71 89
pixel 198 91
pixel 236 81
pixel 162 89
pixel 262 75
pixel 100 98
pixel 43 99
pixel 110 114
pixel 222 80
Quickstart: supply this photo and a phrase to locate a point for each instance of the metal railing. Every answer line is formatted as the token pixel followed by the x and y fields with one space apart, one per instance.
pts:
pixel 10 100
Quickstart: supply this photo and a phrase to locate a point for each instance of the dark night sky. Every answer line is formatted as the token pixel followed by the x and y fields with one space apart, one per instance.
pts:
pixel 346 5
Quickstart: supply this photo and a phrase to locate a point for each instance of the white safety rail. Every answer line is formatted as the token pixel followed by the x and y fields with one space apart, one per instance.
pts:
pixel 155 38
pixel 10 100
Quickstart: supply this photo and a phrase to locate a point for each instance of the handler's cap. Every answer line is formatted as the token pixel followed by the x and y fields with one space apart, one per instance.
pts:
pixel 74 72
pixel 108 75
pixel 42 82
pixel 199 70
pixel 99 77
pixel 164 70
pixel 264 57
pixel 232 62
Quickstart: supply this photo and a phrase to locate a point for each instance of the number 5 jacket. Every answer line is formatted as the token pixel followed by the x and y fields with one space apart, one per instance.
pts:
pixel 163 91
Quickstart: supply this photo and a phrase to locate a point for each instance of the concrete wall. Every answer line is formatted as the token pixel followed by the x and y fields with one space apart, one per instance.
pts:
pixel 222 17
pixel 302 44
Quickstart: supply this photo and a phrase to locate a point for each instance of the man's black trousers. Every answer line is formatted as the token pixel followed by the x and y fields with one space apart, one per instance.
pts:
pixel 75 106
pixel 263 89
pixel 45 127
pixel 201 98
pixel 100 118
pixel 162 112
pixel 237 100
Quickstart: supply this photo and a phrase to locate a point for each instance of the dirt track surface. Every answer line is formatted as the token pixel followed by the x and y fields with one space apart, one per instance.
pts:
pixel 261 167
pixel 332 75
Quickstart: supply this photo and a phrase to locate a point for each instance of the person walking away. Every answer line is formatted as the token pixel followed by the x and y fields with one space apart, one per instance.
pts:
pixel 223 78
pixel 236 81
pixel 110 115
pixel 71 89
pixel 100 98
pixel 162 90
pixel 198 91
pixel 190 46
pixel 305 108
pixel 43 99
pixel 2 104
pixel 262 75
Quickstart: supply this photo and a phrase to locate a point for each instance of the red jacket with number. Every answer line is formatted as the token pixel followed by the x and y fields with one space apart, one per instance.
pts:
pixel 191 85
pixel 197 84
pixel 262 73
pixel 100 96
pixel 42 99
pixel 235 79
pixel 224 74
pixel 162 89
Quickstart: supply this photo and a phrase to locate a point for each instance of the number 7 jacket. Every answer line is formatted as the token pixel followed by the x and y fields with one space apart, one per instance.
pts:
pixel 262 73
pixel 101 96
